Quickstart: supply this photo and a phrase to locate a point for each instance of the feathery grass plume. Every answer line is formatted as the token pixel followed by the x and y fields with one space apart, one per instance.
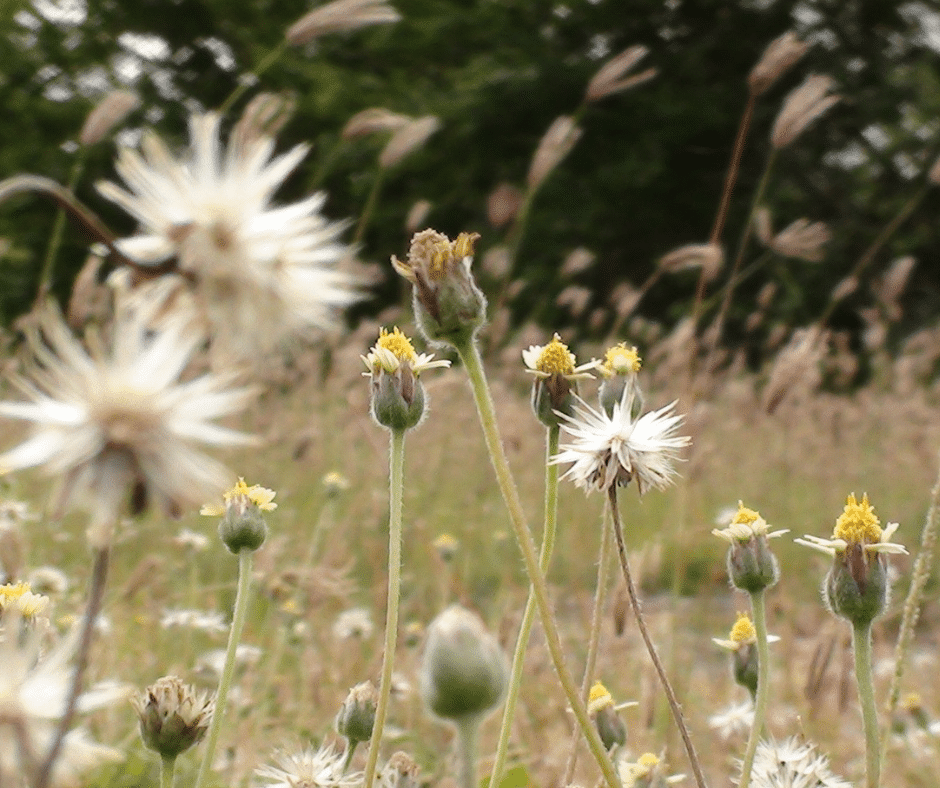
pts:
pixel 892 285
pixel 260 273
pixel 502 204
pixel 797 367
pixel 575 299
pixel 264 116
pixel 374 120
pixel 793 764
pixel 408 138
pixel 556 143
pixel 780 55
pixel 933 174
pixel 34 695
pixel 607 80
pixel 577 262
pixel 417 215
pixel 109 113
pixel 709 257
pixel 556 373
pixel 802 239
pixel 340 16
pixel 116 419
pixel 801 107
pixel 308 768
pixel 174 716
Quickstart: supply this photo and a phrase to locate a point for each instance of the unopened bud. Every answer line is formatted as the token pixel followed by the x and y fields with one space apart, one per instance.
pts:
pixel 173 716
pixel 610 727
pixel 356 717
pixel 464 671
pixel 242 526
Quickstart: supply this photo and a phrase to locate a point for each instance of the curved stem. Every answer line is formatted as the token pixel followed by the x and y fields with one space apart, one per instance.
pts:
pixel 58 228
pixel 650 647
pixel 470 356
pixel 763 673
pixel 600 592
pixel 99 576
pixel 861 643
pixel 395 480
pixel 244 84
pixel 528 617
pixel 228 669
pixel 350 751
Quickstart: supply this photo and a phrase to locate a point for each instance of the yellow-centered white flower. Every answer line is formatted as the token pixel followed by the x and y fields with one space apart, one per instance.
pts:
pixel 112 421
pixel 261 273
pixel 617 449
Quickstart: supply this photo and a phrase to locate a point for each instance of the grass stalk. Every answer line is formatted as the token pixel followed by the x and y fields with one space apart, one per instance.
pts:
pixel 528 617
pixel 239 615
pixel 58 229
pixel 369 209
pixel 96 586
pixel 861 644
pixel 244 84
pixel 395 482
pixel 470 356
pixel 759 613
pixel 650 646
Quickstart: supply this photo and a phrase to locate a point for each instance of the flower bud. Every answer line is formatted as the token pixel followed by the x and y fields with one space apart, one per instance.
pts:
pixel 356 717
pixel 242 526
pixel 751 565
pixel 742 643
pixel 173 716
pixel 646 772
pixel 601 709
pixel 464 671
pixel 856 586
pixel 448 305
pixel 619 370
pixel 400 771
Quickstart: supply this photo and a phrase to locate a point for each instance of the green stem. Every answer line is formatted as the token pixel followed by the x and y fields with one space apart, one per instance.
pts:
pixel 395 477
pixel 168 772
pixel 528 617
pixel 369 208
pixel 650 647
pixel 470 356
pixel 58 229
pixel 861 642
pixel 467 735
pixel 239 615
pixel 244 84
pixel 763 674
pixel 600 592
pixel 350 751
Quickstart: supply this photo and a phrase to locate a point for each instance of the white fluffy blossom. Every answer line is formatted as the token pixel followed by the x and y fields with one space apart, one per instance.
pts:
pixel 308 768
pixel 792 764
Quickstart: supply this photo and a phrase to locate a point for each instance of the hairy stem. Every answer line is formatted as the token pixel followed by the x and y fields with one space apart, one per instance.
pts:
pixel 861 643
pixel 763 674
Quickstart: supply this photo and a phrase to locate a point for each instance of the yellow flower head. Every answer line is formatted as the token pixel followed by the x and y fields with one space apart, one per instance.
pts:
pixel 434 255
pixel 241 496
pixel 620 360
pixel 19 597
pixel 398 344
pixel 858 524
pixel 555 358
pixel 648 761
pixel 599 698
pixel 743 631
pixel 745 516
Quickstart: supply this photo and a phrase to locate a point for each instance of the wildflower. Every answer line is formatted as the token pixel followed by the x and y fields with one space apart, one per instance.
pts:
pixel 204 621
pixel 173 716
pixel 602 711
pixel 20 597
pixel 212 662
pixel 792 764
pixel 398 397
pixel 646 772
pixel 109 424
pixel 191 540
pixel 308 768
pixel 400 771
pixel 742 643
pixel 353 623
pixel 243 526
pixel 556 376
pixel 616 448
pixel 619 369
pixel 464 671
pixel 448 305
pixel 340 16
pixel 856 586
pixel 446 546
pixel 734 720
pixel 801 107
pixel 260 272
pixel 33 695
pixel 356 717
pixel 48 580
pixel 751 565
pixel 334 483
pixel 780 55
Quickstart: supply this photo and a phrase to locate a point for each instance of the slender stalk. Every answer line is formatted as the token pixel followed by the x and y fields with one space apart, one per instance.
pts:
pixel 228 669
pixel 369 208
pixel 912 605
pixel 168 772
pixel 467 735
pixel 731 177
pixel 861 643
pixel 525 628
pixel 470 356
pixel 600 593
pixel 99 577
pixel 351 747
pixel 395 481
pixel 759 614
pixel 244 84
pixel 650 647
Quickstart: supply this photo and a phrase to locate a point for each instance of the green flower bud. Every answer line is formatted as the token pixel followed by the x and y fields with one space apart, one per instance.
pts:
pixel 464 671
pixel 856 586
pixel 751 565
pixel 601 710
pixel 173 716
pixel 744 667
pixel 242 526
pixel 356 717
pixel 619 370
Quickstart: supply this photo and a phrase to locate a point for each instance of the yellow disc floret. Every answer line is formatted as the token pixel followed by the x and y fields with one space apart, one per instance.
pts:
pixel 555 358
pixel 398 344
pixel 743 630
pixel 599 698
pixel 858 524
pixel 239 496
pixel 745 516
pixel 648 761
pixel 445 253
pixel 621 360
pixel 19 597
